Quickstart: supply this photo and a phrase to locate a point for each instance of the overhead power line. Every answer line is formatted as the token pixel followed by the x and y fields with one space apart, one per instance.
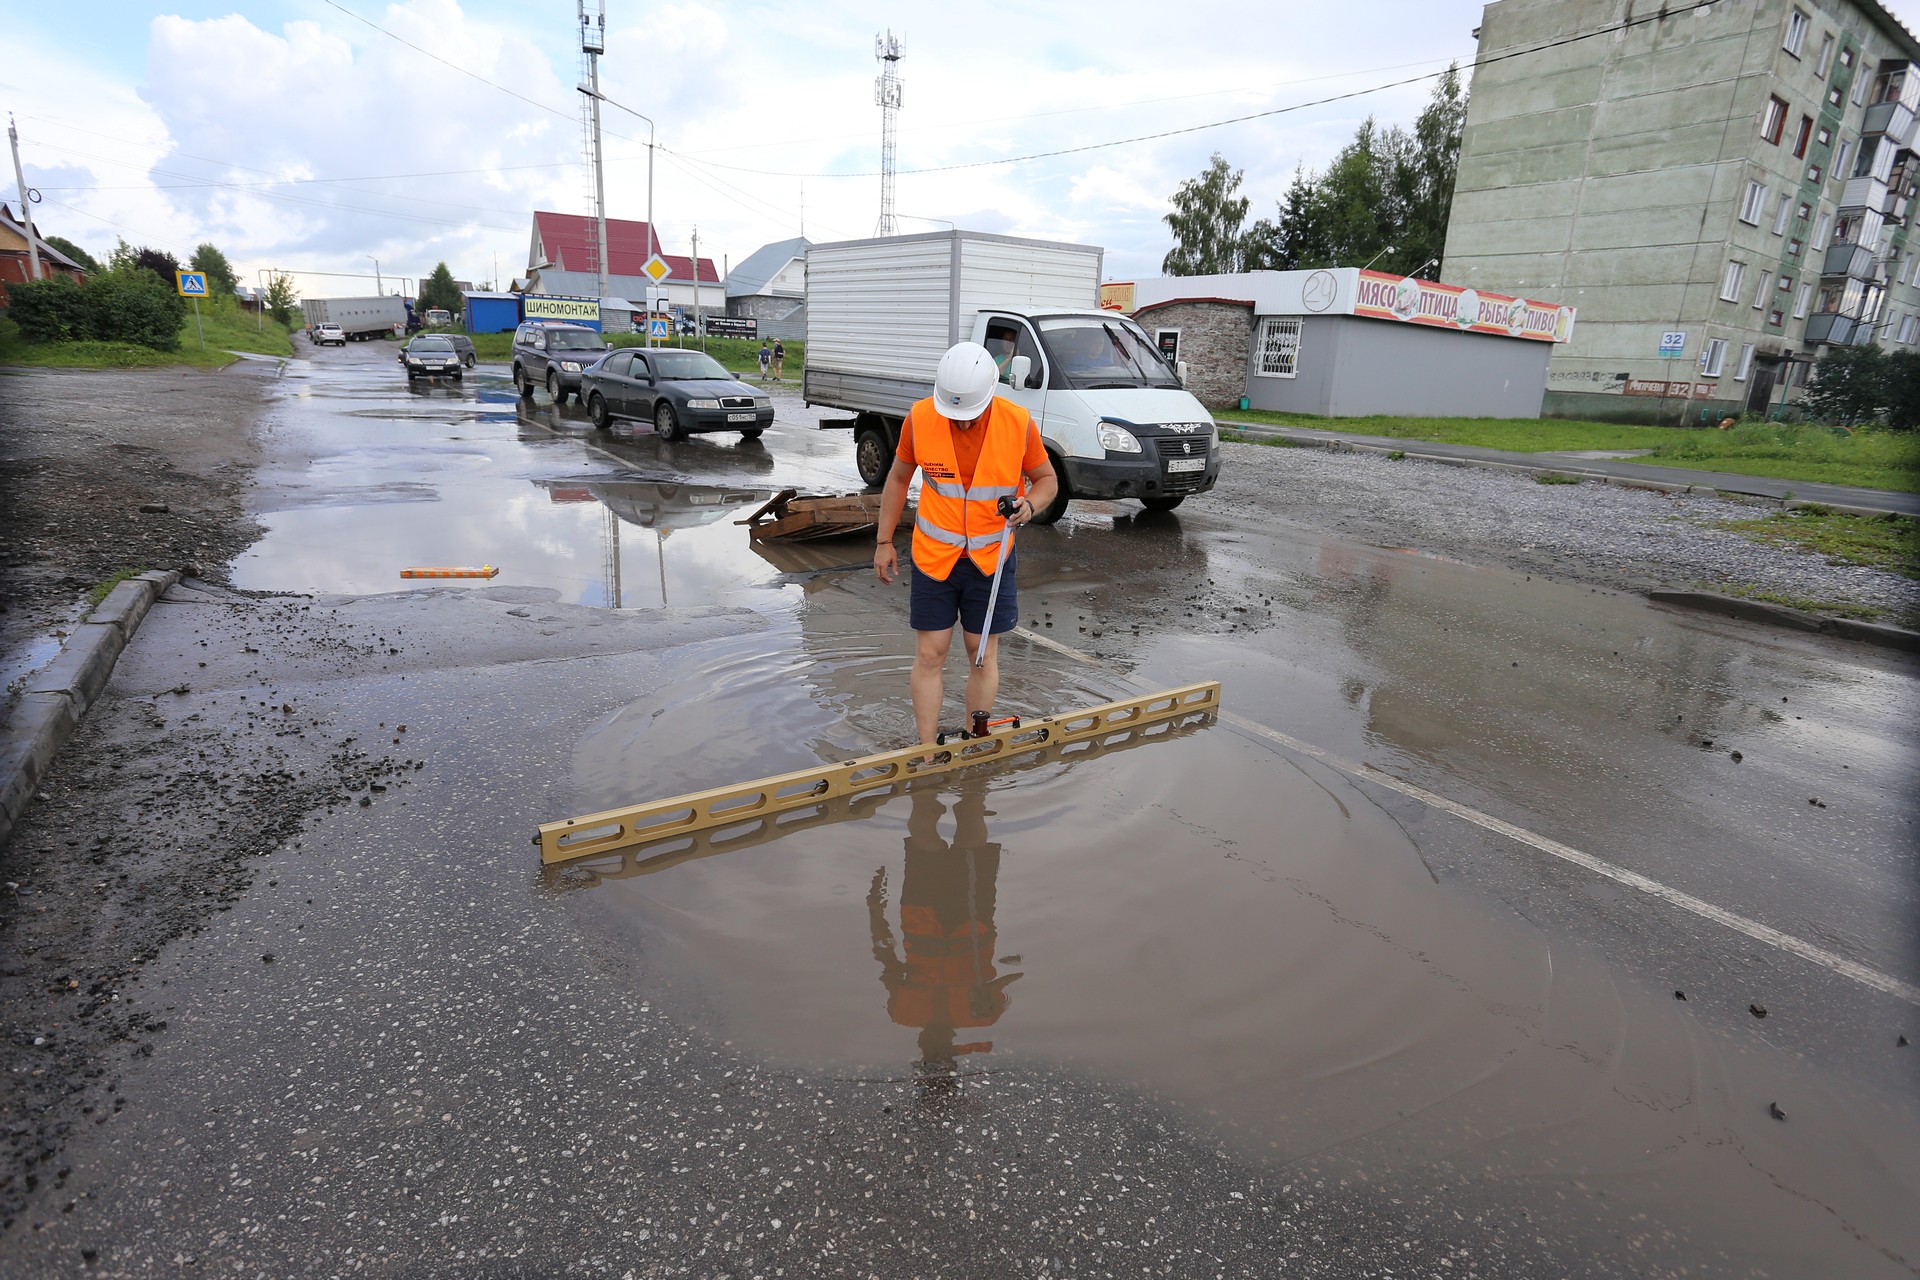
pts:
pixel 1220 124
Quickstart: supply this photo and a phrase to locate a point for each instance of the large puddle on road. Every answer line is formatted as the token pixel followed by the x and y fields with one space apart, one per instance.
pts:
pixel 1188 915
pixel 468 475
pixel 1200 920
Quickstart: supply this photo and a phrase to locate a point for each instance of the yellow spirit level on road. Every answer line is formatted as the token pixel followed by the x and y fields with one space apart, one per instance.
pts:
pixel 697 811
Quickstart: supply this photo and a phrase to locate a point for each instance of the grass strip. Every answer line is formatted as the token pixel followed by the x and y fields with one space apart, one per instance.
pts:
pixel 1886 542
pixel 228 329
pixel 1868 458
pixel 1806 604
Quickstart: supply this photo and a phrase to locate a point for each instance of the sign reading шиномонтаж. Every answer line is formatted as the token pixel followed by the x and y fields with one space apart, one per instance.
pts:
pixel 1448 306
pixel 547 307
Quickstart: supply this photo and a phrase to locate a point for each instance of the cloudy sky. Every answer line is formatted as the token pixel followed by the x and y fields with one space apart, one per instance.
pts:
pixel 322 135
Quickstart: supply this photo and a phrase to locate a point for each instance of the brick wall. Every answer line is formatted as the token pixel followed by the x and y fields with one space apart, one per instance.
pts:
pixel 1216 339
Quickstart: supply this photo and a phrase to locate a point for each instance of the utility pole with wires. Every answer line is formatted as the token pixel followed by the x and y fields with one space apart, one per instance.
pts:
pixel 27 196
pixel 698 327
pixel 886 94
pixel 593 43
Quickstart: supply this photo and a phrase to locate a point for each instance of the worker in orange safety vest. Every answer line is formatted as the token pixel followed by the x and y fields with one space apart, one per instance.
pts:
pixel 971 448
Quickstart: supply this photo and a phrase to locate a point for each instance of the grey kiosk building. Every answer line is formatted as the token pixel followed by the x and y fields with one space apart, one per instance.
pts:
pixel 1345 342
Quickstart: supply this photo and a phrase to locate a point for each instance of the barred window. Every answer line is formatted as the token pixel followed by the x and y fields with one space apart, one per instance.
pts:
pixel 1279 346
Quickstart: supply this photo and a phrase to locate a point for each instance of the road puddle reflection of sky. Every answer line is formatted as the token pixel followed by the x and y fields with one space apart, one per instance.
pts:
pixel 449 477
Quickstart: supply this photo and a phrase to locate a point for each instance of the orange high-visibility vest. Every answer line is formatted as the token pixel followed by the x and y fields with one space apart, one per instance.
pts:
pixel 955 517
pixel 949 978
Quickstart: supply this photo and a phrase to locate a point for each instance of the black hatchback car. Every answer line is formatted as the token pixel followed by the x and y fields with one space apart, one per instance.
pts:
pixel 678 391
pixel 552 355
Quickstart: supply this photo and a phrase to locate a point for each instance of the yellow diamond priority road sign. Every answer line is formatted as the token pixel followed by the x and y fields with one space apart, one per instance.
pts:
pixel 657 268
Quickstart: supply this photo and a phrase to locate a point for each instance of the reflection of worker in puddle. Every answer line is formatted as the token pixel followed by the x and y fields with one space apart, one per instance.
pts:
pixel 946 980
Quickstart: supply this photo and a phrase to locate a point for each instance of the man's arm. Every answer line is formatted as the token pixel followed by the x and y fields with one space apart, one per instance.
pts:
pixel 893 501
pixel 1042 483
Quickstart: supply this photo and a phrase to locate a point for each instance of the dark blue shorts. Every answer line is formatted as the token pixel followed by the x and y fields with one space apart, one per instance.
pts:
pixel 963 596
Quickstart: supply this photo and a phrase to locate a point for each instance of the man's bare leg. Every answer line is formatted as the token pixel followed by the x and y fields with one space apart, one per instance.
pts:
pixel 983 681
pixel 927 682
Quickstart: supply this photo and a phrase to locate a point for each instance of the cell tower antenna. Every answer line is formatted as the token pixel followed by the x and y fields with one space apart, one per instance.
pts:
pixel 886 94
pixel 593 43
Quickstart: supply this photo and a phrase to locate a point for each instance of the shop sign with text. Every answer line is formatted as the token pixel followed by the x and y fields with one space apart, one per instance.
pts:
pixel 1387 297
pixel 551 307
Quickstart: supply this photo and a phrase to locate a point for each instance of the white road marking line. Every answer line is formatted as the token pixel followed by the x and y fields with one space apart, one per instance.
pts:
pixel 1673 897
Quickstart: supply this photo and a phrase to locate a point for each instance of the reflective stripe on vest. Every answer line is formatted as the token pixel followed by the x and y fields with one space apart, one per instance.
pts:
pixel 954 517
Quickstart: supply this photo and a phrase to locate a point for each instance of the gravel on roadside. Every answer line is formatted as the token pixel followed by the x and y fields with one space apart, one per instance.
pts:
pixel 1610 535
pixel 104 471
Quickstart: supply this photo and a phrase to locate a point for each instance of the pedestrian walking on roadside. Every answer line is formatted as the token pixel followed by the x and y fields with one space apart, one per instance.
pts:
pixel 972 448
pixel 766 358
pixel 779 358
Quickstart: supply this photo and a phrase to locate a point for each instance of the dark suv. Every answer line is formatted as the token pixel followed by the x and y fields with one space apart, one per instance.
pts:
pixel 553 354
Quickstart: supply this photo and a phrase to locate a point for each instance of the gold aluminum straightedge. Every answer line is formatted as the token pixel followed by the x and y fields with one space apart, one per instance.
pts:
pixel 596 833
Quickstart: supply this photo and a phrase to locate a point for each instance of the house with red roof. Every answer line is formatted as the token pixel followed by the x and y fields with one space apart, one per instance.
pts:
pixel 562 259
pixel 16 263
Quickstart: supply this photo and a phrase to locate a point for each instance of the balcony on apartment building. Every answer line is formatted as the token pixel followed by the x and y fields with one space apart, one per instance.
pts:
pixel 1831 328
pixel 1894 119
pixel 1855 260
pixel 1894 101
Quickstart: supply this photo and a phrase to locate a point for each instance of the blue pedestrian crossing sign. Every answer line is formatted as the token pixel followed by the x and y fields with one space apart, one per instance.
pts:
pixel 657 327
pixel 192 284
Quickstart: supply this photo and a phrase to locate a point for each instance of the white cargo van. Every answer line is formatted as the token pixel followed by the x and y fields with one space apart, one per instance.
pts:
pixel 1117 421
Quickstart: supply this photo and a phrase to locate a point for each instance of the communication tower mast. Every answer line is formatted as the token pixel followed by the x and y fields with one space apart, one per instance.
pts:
pixel 593 43
pixel 886 94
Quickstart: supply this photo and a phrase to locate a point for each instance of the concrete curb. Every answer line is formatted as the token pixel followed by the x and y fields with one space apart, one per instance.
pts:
pixel 1780 615
pixel 60 692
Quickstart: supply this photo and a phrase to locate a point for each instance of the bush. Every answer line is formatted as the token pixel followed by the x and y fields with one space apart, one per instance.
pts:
pixel 133 306
pixel 1849 385
pixel 1903 390
pixel 48 310
pixel 116 306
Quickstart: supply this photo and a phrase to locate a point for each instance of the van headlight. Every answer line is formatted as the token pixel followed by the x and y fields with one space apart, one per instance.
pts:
pixel 1118 439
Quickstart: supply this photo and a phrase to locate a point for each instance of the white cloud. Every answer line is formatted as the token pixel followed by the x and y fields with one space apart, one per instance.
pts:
pixel 747 95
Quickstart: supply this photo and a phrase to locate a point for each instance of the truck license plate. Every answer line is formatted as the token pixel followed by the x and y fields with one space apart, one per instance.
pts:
pixel 739 417
pixel 1187 464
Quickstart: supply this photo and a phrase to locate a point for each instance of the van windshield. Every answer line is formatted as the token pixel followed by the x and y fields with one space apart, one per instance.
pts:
pixel 1092 352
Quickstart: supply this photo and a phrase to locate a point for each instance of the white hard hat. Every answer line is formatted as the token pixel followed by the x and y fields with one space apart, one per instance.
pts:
pixel 963 384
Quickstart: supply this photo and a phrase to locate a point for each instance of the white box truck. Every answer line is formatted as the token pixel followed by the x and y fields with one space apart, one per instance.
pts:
pixel 358 318
pixel 1116 420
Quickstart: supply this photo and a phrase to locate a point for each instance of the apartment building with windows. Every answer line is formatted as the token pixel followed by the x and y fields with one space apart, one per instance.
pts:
pixel 1722 189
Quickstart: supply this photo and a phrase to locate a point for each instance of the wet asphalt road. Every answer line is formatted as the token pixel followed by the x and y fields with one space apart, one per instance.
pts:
pixel 1229 1003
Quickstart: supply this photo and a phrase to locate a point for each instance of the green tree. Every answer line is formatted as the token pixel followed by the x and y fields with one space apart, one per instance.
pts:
pixel 73 251
pixel 1384 198
pixel 158 261
pixel 221 282
pixel 1849 385
pixel 1428 194
pixel 1206 222
pixel 439 290
pixel 1903 390
pixel 280 298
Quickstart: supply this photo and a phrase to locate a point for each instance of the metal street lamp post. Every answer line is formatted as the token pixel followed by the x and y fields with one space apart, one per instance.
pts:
pixel 596 94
